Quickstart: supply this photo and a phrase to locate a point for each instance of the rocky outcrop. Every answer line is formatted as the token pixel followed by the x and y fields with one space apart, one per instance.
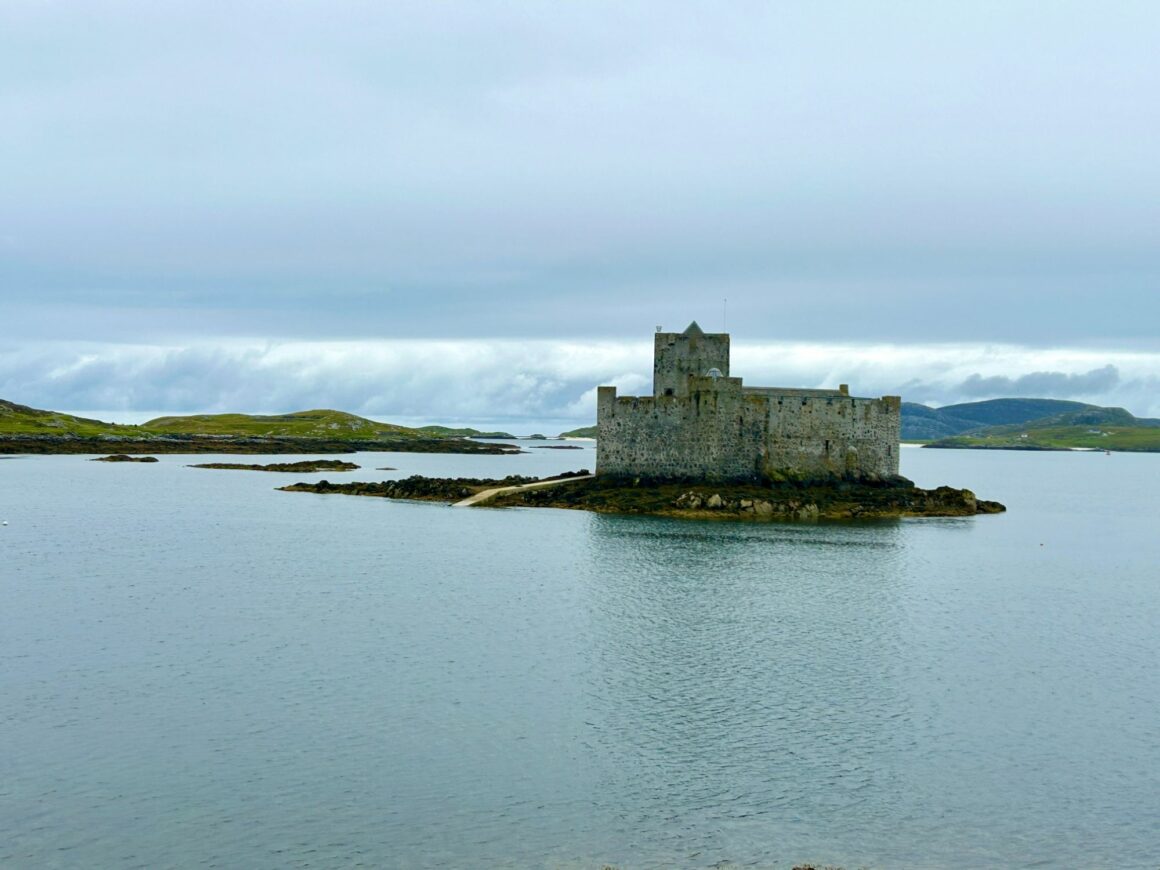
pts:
pixel 416 487
pixel 300 467
pixel 839 500
pixel 842 500
pixel 121 457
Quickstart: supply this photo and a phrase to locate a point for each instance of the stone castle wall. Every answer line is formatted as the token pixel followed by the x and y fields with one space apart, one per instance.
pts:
pixel 714 428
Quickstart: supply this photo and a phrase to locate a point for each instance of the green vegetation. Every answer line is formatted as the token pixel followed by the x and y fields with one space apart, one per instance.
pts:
pixel 447 432
pixel 1119 438
pixel 331 425
pixel 1090 427
pixel 582 432
pixel 921 423
pixel 28 430
pixel 22 420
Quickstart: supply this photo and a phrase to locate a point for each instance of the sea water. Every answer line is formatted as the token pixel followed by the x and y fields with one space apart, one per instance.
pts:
pixel 197 670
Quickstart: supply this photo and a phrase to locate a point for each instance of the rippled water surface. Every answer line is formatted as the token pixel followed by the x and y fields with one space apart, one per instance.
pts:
pixel 197 670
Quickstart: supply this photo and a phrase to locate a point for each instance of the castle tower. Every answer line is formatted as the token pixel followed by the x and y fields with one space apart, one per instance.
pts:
pixel 692 352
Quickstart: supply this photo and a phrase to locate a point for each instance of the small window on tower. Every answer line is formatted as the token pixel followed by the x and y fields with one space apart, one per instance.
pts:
pixel 669 391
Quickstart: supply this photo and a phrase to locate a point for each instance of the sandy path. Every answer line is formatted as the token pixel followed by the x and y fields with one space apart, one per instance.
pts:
pixel 487 494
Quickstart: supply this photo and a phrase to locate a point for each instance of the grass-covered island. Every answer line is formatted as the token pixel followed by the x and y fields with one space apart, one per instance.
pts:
pixel 304 467
pixel 827 500
pixel 121 457
pixel 31 430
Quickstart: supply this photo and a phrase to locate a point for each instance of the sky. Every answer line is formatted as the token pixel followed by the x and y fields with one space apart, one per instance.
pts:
pixel 456 211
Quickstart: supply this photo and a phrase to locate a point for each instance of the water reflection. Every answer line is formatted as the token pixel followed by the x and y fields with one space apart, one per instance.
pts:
pixel 745 675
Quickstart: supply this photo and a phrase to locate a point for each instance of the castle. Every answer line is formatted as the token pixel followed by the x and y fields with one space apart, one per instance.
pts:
pixel 702 424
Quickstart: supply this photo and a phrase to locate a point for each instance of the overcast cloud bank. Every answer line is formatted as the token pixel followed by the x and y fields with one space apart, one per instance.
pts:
pixel 531 383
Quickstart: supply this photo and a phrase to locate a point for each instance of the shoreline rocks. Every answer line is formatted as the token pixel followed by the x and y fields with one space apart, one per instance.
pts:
pixel 800 502
pixel 301 467
pixel 413 488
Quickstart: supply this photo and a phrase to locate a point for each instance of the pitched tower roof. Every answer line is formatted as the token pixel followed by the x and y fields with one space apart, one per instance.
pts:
pixel 693 330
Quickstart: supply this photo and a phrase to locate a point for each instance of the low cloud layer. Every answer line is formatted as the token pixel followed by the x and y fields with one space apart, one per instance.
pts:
pixel 1061 385
pixel 529 384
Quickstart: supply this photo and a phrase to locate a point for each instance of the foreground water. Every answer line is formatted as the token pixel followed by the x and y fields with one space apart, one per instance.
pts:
pixel 197 670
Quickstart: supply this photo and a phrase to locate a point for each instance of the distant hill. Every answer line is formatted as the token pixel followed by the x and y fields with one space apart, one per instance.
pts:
pixel 333 425
pixel 323 423
pixel 583 432
pixel 448 432
pixel 923 423
pixel 1090 427
pixel 22 420
pixel 30 430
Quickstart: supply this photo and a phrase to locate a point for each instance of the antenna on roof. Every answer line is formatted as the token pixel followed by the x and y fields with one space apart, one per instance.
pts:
pixel 659 327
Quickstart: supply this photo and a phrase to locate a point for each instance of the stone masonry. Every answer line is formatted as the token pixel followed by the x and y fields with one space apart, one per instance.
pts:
pixel 702 424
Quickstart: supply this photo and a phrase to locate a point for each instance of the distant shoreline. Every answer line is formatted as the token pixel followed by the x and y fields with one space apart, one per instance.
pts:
pixel 192 444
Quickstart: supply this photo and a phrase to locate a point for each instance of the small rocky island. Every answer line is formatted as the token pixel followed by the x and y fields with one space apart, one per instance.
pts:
pixel 304 467
pixel 825 500
pixel 808 501
pixel 122 457
pixel 416 487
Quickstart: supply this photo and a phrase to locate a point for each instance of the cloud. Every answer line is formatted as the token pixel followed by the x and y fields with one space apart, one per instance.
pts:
pixel 529 381
pixel 1043 384
pixel 446 380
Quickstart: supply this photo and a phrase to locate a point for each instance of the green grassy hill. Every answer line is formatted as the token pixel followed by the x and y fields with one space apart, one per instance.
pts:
pixel 333 425
pixel 28 430
pixel 22 420
pixel 448 432
pixel 583 432
pixel 923 423
pixel 1090 427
